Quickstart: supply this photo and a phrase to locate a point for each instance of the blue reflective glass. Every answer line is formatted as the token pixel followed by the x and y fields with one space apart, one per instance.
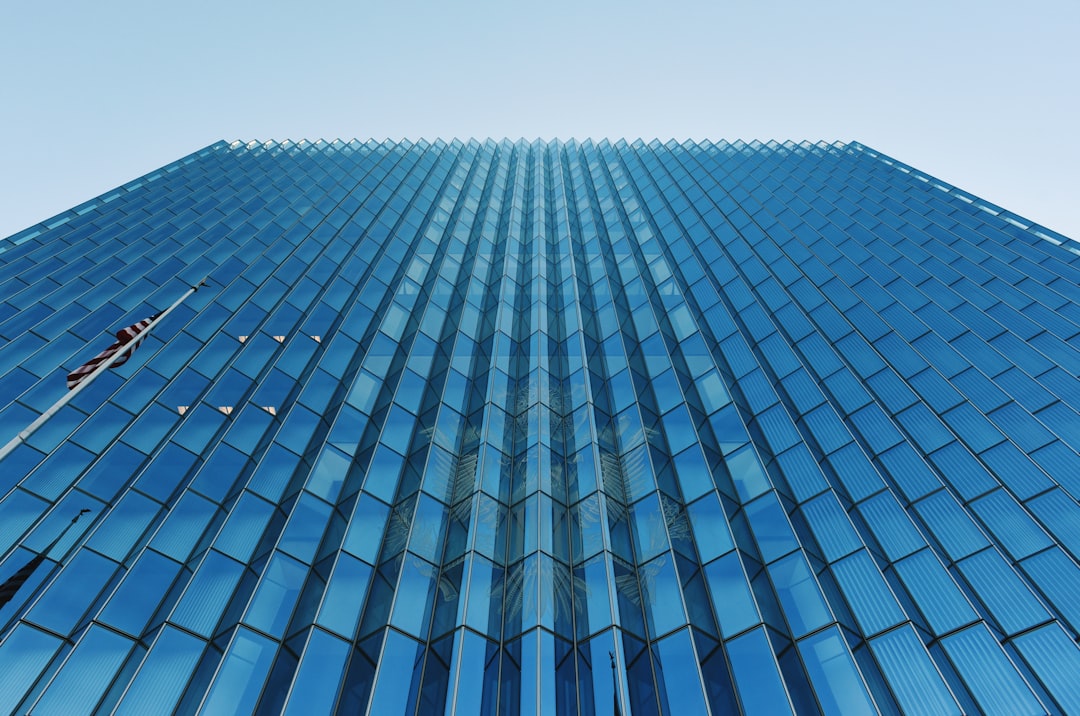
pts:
pixel 244 669
pixel 771 528
pixel 681 687
pixel 208 593
pixel 711 534
pixel 987 672
pixel 799 595
pixel 139 595
pixel 747 473
pixel 453 420
pixel 761 689
pixel 87 673
pixel 1050 654
pixel 314 690
pixel 275 597
pixel 22 656
pixel 733 602
pixel 872 603
pixel 836 681
pixel 76 588
pixel 162 676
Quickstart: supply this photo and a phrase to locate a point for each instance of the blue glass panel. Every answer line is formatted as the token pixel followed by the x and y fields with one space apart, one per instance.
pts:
pixel 1004 594
pixel 1060 514
pixel 1058 578
pixel 939 599
pixel 962 471
pixel 892 528
pixel 23 656
pixel 383 473
pixel 912 677
pixel 1053 657
pixel 305 528
pixel 831 527
pixel 1015 530
pixel 74 590
pixel 771 528
pixel 184 526
pixel 429 528
pixel 366 528
pixel 18 510
pixel 469 664
pixel 680 683
pixel 988 674
pixel 273 472
pixel 761 690
pixel 854 472
pixel 802 472
pixel 344 597
pixel 914 478
pixel 692 473
pixel 399 672
pixel 660 593
pixel 139 595
pixel 679 430
pixel 207 594
pixel 869 597
pixel 711 534
pixel 160 478
pixel 712 392
pixel 162 676
pixel 799 594
pixel 747 473
pixel 54 475
pixel 315 687
pixel 837 683
pixel 649 528
pixel 276 595
pixel 484 595
pixel 951 525
pixel 591 597
pixel 733 602
pixel 416 592
pixel 244 527
pixel 328 474
pixel 123 526
pixel 87 673
pixel 243 671
pixel 729 431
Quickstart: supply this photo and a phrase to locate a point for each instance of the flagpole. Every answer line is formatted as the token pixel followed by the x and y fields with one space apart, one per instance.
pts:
pixel 64 531
pixel 104 366
pixel 14 583
pixel 616 711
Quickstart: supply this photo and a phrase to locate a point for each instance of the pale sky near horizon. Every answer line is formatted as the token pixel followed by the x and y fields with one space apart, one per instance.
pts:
pixel 984 95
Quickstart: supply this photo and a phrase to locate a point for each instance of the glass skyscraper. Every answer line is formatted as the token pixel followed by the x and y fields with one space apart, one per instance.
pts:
pixel 542 427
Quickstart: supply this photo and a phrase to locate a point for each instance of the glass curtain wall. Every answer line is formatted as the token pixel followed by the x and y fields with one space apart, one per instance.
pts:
pixel 543 427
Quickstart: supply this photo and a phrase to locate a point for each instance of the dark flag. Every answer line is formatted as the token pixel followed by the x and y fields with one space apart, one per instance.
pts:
pixel 14 582
pixel 124 337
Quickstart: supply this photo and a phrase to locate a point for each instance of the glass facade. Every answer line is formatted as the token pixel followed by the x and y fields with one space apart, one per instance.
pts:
pixel 779 427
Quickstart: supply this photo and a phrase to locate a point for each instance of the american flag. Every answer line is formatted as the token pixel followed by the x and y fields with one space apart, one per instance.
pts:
pixel 124 337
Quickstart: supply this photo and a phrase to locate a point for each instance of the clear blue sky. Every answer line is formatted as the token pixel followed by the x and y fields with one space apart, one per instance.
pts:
pixel 985 95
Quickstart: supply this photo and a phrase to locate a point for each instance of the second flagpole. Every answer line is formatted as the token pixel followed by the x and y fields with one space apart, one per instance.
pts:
pixel 30 429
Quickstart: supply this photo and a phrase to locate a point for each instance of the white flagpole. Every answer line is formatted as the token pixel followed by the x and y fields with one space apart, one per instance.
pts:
pixel 104 366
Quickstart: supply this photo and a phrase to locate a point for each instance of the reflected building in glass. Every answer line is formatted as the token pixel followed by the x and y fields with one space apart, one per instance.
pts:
pixel 779 427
